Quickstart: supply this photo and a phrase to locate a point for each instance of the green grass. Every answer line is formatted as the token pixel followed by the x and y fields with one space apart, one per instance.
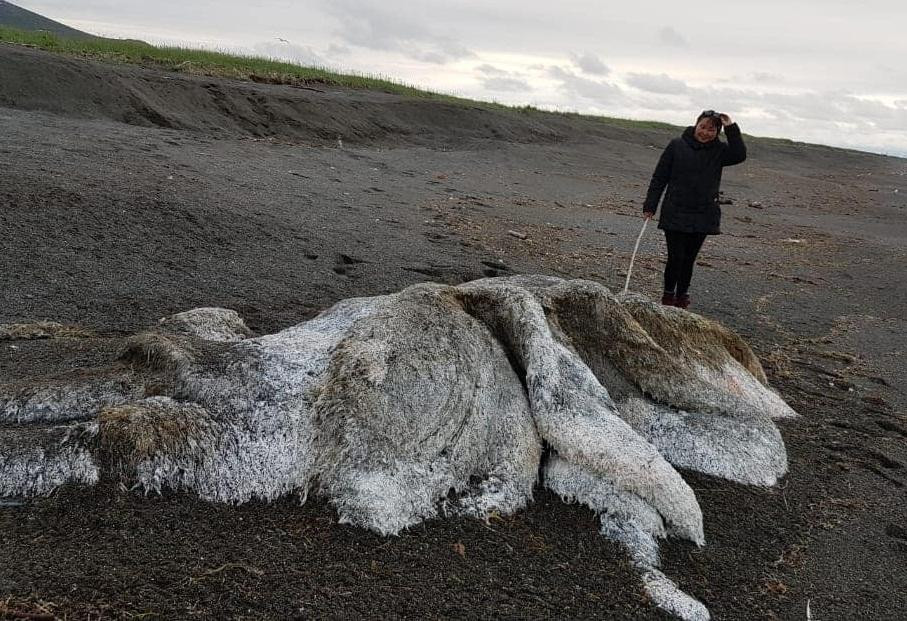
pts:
pixel 203 62
pixel 258 69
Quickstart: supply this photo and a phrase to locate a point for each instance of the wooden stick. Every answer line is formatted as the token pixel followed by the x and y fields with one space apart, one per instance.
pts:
pixel 633 258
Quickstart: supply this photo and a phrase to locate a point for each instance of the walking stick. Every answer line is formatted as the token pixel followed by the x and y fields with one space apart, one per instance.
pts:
pixel 635 249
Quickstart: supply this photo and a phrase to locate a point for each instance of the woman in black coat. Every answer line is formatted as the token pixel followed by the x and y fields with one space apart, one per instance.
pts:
pixel 690 168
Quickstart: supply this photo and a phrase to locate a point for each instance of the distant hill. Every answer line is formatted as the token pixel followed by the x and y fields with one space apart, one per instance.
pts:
pixel 13 16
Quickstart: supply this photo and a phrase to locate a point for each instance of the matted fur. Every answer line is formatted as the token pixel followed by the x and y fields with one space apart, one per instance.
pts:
pixel 392 406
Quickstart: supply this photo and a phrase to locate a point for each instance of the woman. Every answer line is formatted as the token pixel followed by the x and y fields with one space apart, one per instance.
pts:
pixel 691 167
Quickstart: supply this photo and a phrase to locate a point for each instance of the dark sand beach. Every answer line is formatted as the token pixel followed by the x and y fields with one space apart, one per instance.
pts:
pixel 128 194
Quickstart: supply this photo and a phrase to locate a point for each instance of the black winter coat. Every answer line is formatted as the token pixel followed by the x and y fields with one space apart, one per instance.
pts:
pixel 691 170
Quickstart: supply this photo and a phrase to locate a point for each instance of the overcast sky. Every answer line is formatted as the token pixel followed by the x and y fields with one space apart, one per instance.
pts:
pixel 831 71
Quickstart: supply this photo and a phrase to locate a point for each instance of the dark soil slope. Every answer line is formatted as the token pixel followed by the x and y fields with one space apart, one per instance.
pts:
pixel 74 87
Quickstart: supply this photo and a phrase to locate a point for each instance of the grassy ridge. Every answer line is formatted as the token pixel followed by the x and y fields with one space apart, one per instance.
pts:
pixel 257 69
pixel 203 62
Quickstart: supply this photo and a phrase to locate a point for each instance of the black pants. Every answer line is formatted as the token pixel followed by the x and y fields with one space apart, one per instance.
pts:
pixel 682 251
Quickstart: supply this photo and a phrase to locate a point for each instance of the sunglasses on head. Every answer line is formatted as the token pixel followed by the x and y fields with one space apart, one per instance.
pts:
pixel 710 113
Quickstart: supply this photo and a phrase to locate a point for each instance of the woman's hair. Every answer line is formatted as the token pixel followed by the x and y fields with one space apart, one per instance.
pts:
pixel 713 116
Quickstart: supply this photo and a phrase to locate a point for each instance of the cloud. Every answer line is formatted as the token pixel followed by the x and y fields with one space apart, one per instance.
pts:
pixel 509 85
pixel 671 37
pixel 499 80
pixel 285 50
pixel 764 77
pixel 661 84
pixel 578 86
pixel 590 63
pixel 834 107
pixel 378 27
pixel 335 50
pixel 835 117
pixel 490 70
pixel 430 56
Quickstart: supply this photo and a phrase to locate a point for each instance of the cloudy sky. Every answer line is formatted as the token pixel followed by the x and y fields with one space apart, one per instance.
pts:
pixel 830 71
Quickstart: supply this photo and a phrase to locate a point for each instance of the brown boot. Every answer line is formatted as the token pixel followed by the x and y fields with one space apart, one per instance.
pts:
pixel 682 301
pixel 668 298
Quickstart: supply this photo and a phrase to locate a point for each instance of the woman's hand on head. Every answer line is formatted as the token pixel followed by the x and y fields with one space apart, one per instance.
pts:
pixel 725 119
